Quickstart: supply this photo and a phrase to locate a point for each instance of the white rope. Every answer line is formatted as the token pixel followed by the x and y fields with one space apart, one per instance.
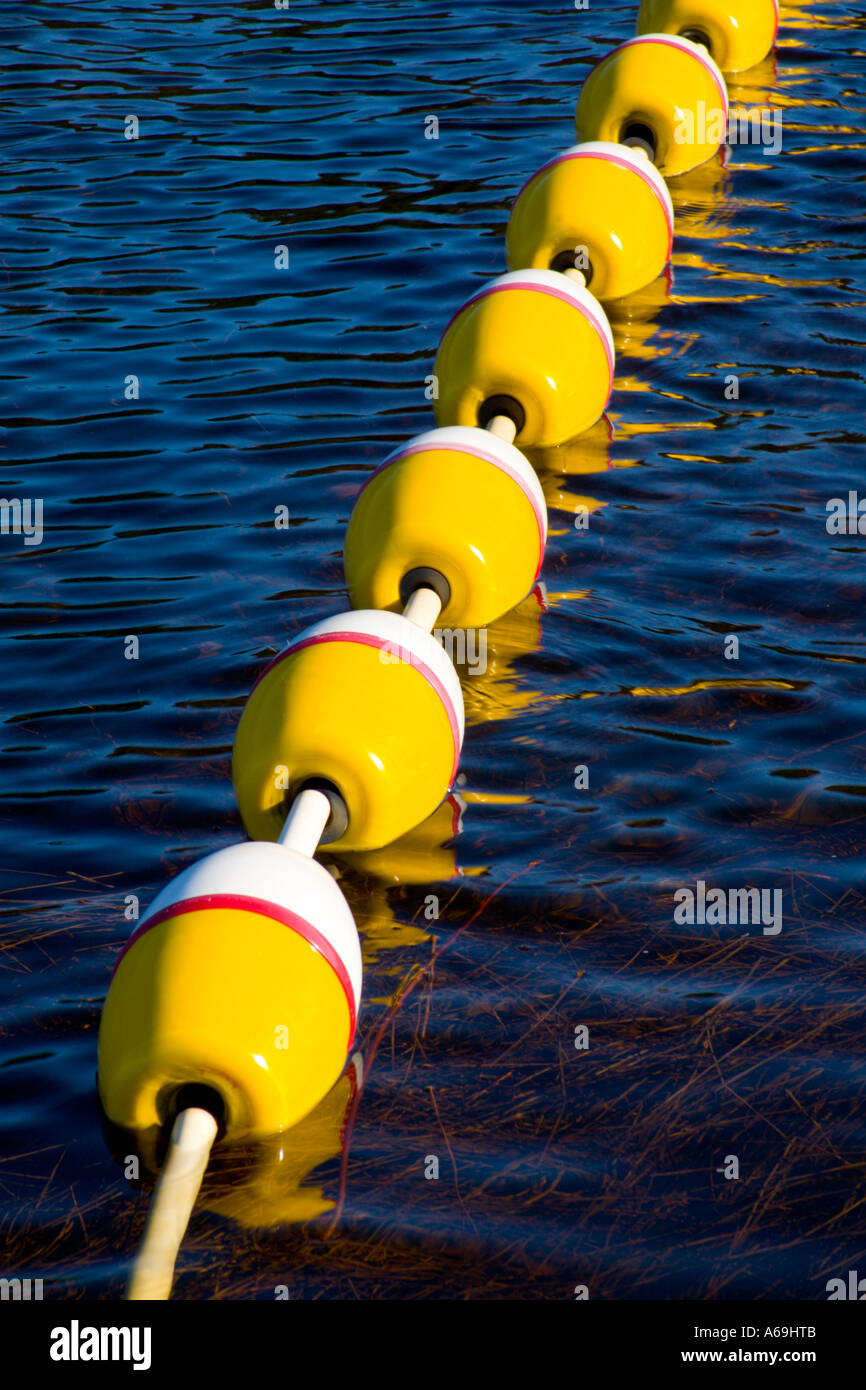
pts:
pixel 306 821
pixel 423 608
pixel 503 427
pixel 174 1197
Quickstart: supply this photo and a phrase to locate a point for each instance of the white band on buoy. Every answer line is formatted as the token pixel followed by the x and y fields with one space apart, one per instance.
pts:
pixel 392 633
pixel 487 444
pixel 626 157
pixel 280 877
pixel 554 283
pixel 686 46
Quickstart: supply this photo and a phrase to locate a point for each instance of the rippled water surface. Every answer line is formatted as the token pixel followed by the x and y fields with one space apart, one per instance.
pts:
pixel 258 388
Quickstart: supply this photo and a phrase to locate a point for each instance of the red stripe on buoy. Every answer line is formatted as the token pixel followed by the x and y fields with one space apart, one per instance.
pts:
pixel 669 41
pixel 575 303
pixel 473 452
pixel 367 639
pixel 239 902
pixel 556 293
pixel 542 289
pixel 622 164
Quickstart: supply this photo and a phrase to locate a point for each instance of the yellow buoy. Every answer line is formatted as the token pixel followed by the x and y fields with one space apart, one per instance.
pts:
pixel 531 345
pixel 367 702
pixel 600 207
pixel 459 501
pixel 661 93
pixel 736 33
pixel 244 978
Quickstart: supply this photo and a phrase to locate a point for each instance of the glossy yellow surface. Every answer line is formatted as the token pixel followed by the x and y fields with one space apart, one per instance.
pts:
pixel 664 87
pixel 201 997
pixel 593 202
pixel 530 345
pixel 740 32
pixel 373 726
pixel 451 511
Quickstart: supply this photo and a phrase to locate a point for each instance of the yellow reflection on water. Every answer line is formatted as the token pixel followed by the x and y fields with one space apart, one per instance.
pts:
pixel 720 684
pixel 266 1186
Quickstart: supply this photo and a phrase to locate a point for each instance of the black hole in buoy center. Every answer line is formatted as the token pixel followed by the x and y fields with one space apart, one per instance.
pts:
pixel 640 136
pixel 697 36
pixel 573 260
pixel 501 405
pixel 197 1095
pixel 424 578
pixel 338 819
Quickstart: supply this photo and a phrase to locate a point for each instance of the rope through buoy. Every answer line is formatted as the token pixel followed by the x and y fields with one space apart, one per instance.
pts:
pixel 233 1005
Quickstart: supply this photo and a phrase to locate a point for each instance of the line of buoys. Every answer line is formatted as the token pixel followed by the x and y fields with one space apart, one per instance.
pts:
pixel 233 1005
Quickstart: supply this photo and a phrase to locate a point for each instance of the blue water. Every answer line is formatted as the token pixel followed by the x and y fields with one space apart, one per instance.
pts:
pixel 154 258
